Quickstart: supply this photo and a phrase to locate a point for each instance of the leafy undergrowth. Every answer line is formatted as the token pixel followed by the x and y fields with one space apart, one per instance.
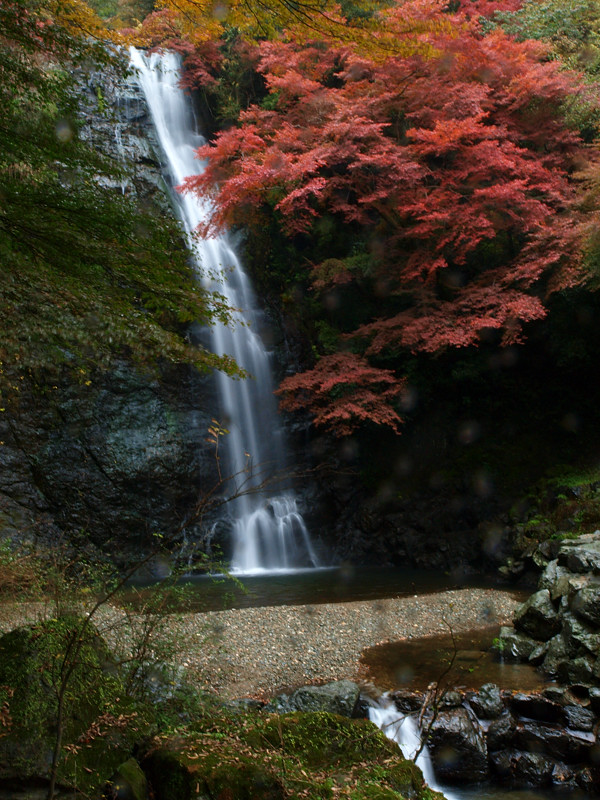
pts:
pixel 305 755
pixel 100 725
pixel 563 505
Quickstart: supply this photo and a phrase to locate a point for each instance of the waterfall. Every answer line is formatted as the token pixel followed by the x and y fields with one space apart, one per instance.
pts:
pixel 403 730
pixel 268 532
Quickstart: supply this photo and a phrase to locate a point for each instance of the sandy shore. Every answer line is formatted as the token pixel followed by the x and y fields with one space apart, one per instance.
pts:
pixel 260 651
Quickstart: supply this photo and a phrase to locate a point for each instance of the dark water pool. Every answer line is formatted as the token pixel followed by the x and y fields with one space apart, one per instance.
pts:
pixel 305 587
pixel 463 661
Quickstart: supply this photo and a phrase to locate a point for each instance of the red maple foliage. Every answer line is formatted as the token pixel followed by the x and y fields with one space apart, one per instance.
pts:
pixel 342 391
pixel 444 158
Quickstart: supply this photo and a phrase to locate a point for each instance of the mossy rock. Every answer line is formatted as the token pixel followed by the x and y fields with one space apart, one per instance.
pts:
pixel 323 739
pixel 317 755
pixel 183 773
pixel 128 783
pixel 100 725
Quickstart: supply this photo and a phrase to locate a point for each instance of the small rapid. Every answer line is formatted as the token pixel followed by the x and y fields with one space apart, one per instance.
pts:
pixel 267 528
pixel 402 729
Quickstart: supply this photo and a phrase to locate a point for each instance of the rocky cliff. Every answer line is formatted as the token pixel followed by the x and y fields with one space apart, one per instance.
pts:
pixel 120 456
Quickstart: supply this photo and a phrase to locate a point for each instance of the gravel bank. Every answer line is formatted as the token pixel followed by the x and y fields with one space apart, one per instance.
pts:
pixel 260 651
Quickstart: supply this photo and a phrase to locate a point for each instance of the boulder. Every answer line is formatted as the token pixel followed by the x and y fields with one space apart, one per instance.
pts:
pixel 529 769
pixel 127 783
pixel 579 718
pixel 500 733
pixel 586 604
pixel 339 697
pixel 549 578
pixel 451 699
pixel 576 670
pixel 487 702
pixel 538 654
pixel 555 655
pixel 552 740
pixel 563 777
pixel 265 757
pixel 537 707
pixel 537 617
pixel 514 646
pixel 580 638
pixel 407 701
pixel 595 699
pixel 581 555
pixel 567 585
pixel 458 748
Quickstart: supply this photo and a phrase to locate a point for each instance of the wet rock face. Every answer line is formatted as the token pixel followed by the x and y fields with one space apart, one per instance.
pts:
pixel 338 697
pixel 458 747
pixel 121 461
pixel 487 702
pixel 582 555
pixel 124 458
pixel 537 616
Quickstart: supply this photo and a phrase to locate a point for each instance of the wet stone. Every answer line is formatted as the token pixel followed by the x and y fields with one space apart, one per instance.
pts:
pixel 582 555
pixel 537 616
pixel 576 670
pixel 555 655
pixel 500 733
pixel 551 740
pixel 487 703
pixel 586 604
pixel 581 719
pixel 537 707
pixel 514 646
pixel 407 701
pixel 579 636
pixel 519 767
pixel 458 748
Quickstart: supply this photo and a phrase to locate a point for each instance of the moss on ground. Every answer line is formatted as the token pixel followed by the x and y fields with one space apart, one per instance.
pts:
pixel 315 755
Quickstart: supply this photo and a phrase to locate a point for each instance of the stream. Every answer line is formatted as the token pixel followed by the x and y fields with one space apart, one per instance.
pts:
pixel 403 730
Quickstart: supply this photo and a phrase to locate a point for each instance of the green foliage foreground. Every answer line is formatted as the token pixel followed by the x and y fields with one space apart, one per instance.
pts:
pixel 188 745
pixel 101 726
pixel 311 755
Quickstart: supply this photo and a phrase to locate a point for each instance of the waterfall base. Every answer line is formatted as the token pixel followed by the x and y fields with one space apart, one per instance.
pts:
pixel 272 538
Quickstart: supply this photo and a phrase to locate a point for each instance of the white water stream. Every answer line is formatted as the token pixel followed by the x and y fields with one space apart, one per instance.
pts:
pixel 404 731
pixel 268 532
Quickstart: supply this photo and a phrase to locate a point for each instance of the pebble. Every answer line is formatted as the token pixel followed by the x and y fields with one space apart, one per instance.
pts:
pixel 258 652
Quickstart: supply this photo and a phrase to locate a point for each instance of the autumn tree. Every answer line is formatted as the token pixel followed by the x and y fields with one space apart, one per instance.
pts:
pixel 455 165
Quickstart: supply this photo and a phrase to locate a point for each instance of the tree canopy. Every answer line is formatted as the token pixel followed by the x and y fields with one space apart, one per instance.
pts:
pixel 421 167
pixel 455 168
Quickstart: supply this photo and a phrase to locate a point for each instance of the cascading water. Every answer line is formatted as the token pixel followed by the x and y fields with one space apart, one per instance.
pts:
pixel 269 533
pixel 403 730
